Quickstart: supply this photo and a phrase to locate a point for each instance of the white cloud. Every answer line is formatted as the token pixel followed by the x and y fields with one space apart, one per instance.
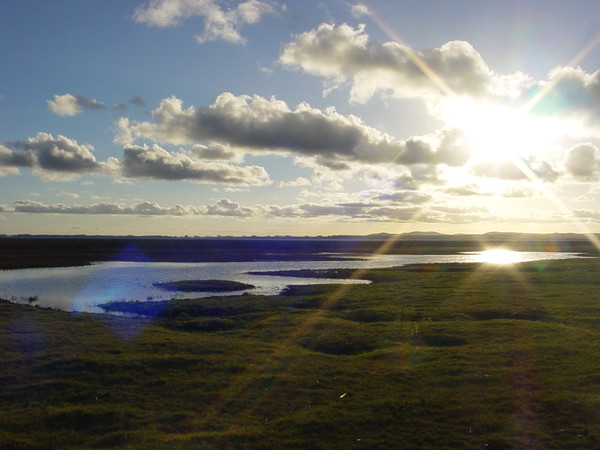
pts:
pixel 298 182
pixel 341 53
pixel 359 9
pixel 219 23
pixel 70 105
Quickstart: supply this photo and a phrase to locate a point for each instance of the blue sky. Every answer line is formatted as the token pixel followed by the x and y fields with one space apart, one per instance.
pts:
pixel 206 117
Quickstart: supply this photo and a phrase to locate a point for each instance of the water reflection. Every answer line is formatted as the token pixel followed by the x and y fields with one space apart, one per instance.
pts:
pixel 83 288
pixel 500 256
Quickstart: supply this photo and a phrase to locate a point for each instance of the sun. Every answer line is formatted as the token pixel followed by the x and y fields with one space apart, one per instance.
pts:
pixel 496 132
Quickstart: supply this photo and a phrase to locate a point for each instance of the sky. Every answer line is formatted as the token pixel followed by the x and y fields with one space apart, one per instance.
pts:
pixel 261 117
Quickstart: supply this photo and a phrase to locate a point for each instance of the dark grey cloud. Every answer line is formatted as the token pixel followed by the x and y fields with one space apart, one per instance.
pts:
pixel 50 157
pixel 136 100
pixel 10 158
pixel 216 152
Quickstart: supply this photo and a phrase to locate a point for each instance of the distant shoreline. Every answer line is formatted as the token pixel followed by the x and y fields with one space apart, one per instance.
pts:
pixel 22 252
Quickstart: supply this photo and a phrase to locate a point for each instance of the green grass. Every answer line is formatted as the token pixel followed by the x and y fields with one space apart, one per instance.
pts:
pixel 444 356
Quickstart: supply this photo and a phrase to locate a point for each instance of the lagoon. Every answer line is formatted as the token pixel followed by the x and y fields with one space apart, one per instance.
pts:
pixel 83 288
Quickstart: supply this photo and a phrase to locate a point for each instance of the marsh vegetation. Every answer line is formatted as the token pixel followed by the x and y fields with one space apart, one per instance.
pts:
pixel 467 356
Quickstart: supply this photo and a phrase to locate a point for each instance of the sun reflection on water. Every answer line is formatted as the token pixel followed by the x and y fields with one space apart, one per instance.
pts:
pixel 499 256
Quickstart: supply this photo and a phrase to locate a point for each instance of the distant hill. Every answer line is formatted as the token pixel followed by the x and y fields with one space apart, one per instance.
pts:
pixel 494 236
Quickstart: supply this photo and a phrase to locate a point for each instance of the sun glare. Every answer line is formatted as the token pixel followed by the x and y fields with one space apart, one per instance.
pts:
pixel 499 256
pixel 497 132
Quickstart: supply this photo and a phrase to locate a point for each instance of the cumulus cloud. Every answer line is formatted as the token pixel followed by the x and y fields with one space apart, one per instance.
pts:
pixel 50 157
pixel 219 23
pixel 257 124
pixel 157 163
pixel 61 158
pixel 583 161
pixel 341 53
pixel 70 105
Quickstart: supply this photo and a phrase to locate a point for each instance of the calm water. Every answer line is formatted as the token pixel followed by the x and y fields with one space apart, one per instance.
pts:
pixel 82 288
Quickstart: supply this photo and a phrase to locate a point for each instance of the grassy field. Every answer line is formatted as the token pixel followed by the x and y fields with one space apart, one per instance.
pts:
pixel 455 356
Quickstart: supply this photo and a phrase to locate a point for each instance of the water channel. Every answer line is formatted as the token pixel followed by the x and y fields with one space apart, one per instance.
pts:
pixel 82 288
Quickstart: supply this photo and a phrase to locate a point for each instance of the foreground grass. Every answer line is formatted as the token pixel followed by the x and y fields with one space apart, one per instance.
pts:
pixel 427 356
